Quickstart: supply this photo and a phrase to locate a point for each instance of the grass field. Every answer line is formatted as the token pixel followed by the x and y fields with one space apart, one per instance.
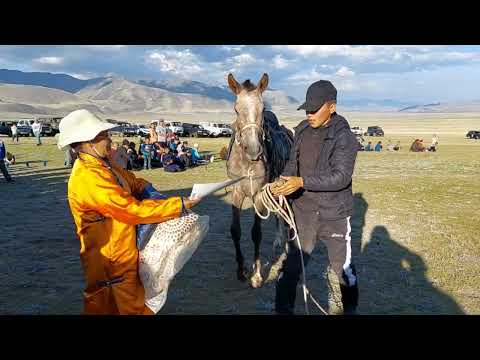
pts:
pixel 414 231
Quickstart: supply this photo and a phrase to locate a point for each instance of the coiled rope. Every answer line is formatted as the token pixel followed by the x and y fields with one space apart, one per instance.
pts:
pixel 283 209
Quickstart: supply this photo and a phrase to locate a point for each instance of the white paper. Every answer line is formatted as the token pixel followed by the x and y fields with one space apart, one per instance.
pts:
pixel 202 190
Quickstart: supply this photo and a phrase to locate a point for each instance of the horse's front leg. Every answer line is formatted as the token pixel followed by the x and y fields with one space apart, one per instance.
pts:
pixel 236 232
pixel 256 280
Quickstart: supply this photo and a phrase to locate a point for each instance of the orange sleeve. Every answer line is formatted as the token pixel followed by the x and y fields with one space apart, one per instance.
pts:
pixel 111 200
pixel 137 184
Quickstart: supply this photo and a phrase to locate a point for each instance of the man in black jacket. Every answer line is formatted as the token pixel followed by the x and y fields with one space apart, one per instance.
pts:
pixel 318 178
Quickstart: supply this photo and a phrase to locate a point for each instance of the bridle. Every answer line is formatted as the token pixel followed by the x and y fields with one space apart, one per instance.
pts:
pixel 249 125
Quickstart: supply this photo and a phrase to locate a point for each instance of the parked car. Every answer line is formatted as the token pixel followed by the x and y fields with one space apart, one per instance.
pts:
pixel 176 127
pixel 226 129
pixel 130 130
pixel 5 128
pixel 51 125
pixel 357 130
pixel 142 130
pixel 194 130
pixel 215 129
pixel 374 131
pixel 473 134
pixel 47 130
pixel 24 127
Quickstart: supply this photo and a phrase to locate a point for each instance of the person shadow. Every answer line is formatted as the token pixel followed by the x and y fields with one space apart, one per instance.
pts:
pixel 392 278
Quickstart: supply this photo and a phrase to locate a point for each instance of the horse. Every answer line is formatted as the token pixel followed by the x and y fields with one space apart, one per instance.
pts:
pixel 259 149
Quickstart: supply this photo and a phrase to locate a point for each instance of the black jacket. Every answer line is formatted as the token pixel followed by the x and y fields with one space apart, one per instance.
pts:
pixel 330 189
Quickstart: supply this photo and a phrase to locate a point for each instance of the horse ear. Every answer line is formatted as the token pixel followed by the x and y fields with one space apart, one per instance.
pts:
pixel 233 84
pixel 263 83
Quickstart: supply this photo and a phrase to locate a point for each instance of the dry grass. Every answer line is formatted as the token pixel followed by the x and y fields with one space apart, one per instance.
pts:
pixel 415 239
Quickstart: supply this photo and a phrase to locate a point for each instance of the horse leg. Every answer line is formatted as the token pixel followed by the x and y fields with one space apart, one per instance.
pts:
pixel 236 232
pixel 256 280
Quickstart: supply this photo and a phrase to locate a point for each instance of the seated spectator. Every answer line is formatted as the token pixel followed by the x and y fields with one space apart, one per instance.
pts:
pixel 133 158
pixel 121 156
pixel 185 154
pixel 173 146
pixel 418 146
pixel 171 162
pixel 224 152
pixel 379 146
pixel 369 146
pixel 434 145
pixel 197 158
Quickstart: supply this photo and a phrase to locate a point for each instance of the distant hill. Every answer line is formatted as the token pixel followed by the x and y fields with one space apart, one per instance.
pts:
pixel 369 104
pixel 55 81
pixel 190 87
pixel 29 99
pixel 116 95
pixel 447 107
pixel 275 98
pixel 420 107
pixel 174 94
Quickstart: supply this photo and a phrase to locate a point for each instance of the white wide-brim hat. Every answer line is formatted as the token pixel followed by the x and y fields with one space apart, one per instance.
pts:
pixel 80 126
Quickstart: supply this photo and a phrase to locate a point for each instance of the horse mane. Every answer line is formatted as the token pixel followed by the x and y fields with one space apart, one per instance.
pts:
pixel 247 85
pixel 277 144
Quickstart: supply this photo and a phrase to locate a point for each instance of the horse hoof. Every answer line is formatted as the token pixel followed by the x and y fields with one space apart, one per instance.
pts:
pixel 242 276
pixel 256 281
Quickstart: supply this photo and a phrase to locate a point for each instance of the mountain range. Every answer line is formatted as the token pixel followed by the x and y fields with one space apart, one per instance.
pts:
pixel 45 93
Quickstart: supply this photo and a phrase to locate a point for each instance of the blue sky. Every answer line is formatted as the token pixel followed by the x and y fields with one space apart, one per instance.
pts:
pixel 418 74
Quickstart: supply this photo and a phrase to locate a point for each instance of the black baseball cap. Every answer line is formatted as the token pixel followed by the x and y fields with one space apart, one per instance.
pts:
pixel 318 94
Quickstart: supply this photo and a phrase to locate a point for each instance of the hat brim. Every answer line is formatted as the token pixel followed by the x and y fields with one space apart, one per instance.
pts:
pixel 308 107
pixel 66 141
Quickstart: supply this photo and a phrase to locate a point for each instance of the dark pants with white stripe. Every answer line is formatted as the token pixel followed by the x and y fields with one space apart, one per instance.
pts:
pixel 3 169
pixel 335 234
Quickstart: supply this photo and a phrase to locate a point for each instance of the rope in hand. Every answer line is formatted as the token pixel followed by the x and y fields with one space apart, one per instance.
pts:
pixel 283 209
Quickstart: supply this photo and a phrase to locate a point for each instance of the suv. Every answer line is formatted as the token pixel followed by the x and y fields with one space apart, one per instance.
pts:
pixel 473 134
pixel 214 129
pixel 24 128
pixel 142 130
pixel 226 129
pixel 5 128
pixel 130 130
pixel 176 127
pixel 50 125
pixel 194 130
pixel 357 130
pixel 374 131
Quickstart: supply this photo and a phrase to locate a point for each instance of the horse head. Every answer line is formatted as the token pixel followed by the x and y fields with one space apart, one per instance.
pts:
pixel 249 108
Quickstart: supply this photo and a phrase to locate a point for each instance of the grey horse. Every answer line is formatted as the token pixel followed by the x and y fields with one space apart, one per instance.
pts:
pixel 249 155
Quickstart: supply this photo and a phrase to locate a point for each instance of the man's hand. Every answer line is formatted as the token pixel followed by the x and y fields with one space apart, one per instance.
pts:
pixel 291 184
pixel 190 203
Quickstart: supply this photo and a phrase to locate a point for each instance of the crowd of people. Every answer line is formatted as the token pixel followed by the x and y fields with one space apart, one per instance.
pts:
pixel 160 148
pixel 417 146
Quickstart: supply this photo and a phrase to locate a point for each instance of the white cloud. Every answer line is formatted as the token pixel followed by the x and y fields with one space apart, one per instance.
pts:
pixel 241 60
pixel 279 62
pixel 236 64
pixel 307 77
pixel 182 63
pixel 233 48
pixel 383 54
pixel 50 60
pixel 82 76
pixel 345 72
